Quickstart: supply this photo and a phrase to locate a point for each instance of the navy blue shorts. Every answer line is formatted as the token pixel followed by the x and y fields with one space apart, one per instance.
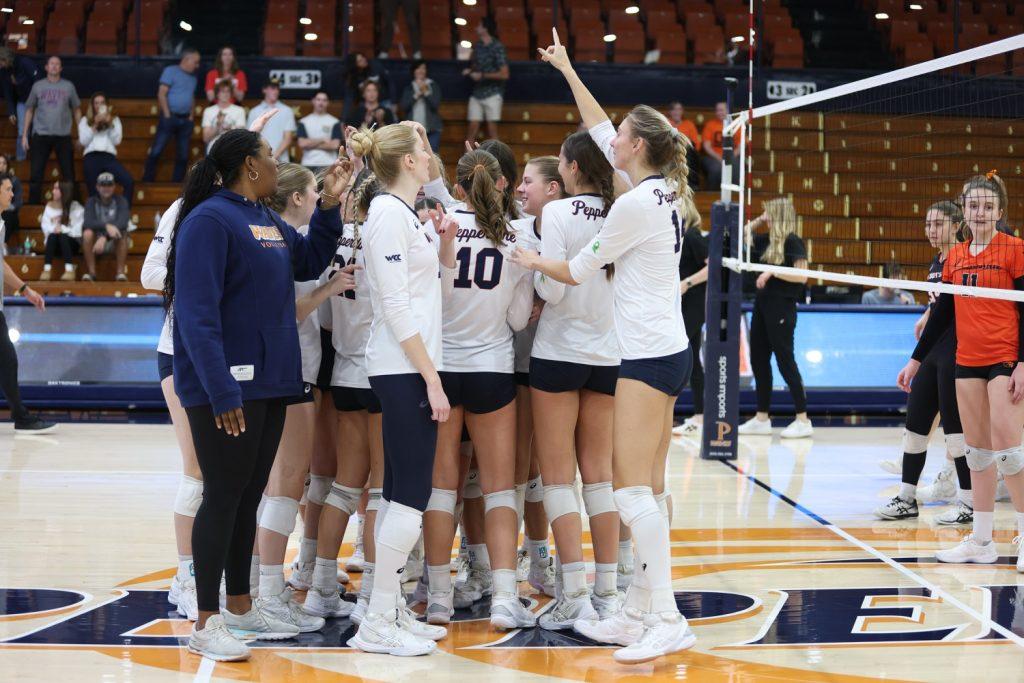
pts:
pixel 523 379
pixel 479 392
pixel 165 363
pixel 351 399
pixel 667 374
pixel 556 376
pixel 410 435
pixel 323 376
pixel 307 396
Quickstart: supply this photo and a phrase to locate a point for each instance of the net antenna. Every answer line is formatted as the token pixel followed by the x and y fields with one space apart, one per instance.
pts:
pixel 863 161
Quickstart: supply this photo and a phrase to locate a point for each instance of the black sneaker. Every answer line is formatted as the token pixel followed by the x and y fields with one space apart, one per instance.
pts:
pixel 35 426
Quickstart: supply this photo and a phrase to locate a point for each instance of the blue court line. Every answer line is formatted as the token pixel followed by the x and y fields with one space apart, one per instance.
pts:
pixel 779 494
pixel 90 339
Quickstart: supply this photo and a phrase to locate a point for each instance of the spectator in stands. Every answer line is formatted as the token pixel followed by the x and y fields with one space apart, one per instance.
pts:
pixel 106 226
pixel 51 104
pixel 17 74
pixel 421 102
pixel 319 135
pixel 24 422
pixel 358 71
pixel 489 70
pixel 62 222
pixel 10 216
pixel 712 145
pixel 371 112
pixel 389 12
pixel 280 130
pixel 176 97
pixel 677 117
pixel 226 68
pixel 99 133
pixel 221 117
pixel 888 296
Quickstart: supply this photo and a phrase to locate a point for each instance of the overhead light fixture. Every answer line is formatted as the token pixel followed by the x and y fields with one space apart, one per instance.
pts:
pixel 184 25
pixel 470 3
pixel 459 21
pixel 27 22
pixel 737 39
pixel 351 28
pixel 881 15
pixel 632 9
pixel 466 44
pixel 916 6
pixel 609 38
pixel 311 36
pixel 6 9
pixel 305 21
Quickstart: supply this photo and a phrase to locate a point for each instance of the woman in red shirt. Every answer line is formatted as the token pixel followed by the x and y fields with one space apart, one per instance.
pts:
pixel 226 67
pixel 989 372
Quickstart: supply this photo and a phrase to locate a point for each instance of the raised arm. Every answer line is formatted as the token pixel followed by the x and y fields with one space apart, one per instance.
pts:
pixel 590 111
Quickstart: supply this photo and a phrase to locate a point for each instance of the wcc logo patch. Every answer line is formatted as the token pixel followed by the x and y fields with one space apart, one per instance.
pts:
pixel 268 236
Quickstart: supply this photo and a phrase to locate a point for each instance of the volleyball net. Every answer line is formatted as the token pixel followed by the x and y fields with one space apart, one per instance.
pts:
pixel 861 164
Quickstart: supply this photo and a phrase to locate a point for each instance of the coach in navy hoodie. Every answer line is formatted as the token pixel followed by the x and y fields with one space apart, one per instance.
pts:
pixel 236 360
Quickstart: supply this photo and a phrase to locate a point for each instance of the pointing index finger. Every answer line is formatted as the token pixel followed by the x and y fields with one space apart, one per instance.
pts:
pixel 554 34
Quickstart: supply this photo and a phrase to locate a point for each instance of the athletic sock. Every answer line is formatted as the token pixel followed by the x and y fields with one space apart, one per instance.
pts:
pixel 913 466
pixel 366 582
pixel 271 579
pixel 651 540
pixel 478 557
pixel 574 577
pixel 185 568
pixel 983 527
pixel 504 581
pixel 605 576
pixel 307 550
pixel 325 575
pixel 908 492
pixel 965 496
pixel 626 552
pixel 439 578
pixel 539 550
pixel 397 536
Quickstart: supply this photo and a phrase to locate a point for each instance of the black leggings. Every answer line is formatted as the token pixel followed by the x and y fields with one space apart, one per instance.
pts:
pixel 59 244
pixel 410 437
pixel 9 375
pixel 235 472
pixel 694 308
pixel 771 331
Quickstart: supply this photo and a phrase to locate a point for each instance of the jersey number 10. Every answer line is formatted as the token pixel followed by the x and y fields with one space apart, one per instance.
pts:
pixel 480 277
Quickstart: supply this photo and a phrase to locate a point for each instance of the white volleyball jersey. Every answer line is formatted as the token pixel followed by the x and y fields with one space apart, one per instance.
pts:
pixel 522 341
pixel 351 316
pixel 642 236
pixel 577 324
pixel 154 269
pixel 486 297
pixel 404 281
pixel 309 329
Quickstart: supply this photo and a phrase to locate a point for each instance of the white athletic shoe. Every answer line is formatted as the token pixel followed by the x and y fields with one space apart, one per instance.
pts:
pixel 607 605
pixel 440 609
pixel 892 466
pixel 969 551
pixel 174 590
pixel 283 608
pixel 569 609
pixel 943 489
pixel 343 576
pixel 328 605
pixel 664 634
pixel 260 623
pixel 623 628
pixel 542 577
pixel 897 508
pixel 188 605
pixel 216 642
pixel 508 613
pixel 476 587
pixel 358 612
pixel 522 565
pixel 755 427
pixel 382 634
pixel 688 429
pixel 301 578
pixel 959 513
pixel 408 620
pixel 797 429
pixel 461 567
pixel 624 575
pixel 1019 542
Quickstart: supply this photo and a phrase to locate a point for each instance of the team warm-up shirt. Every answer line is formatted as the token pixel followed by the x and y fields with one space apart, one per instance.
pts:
pixel 986 329
pixel 154 270
pixel 486 297
pixel 351 316
pixel 404 283
pixel 642 236
pixel 522 341
pixel 309 329
pixel 577 324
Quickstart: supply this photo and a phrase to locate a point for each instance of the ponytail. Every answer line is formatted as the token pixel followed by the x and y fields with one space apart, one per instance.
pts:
pixel 478 174
pixel 507 163
pixel 594 169
pixel 666 151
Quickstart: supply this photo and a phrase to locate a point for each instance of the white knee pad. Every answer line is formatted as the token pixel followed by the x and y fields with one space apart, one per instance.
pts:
pixel 500 499
pixel 319 487
pixel 979 459
pixel 560 499
pixel 442 500
pixel 635 502
pixel 189 497
pixel 373 499
pixel 914 443
pixel 1009 461
pixel 401 528
pixel 279 515
pixel 955 445
pixel 472 487
pixel 535 490
pixel 345 498
pixel 598 498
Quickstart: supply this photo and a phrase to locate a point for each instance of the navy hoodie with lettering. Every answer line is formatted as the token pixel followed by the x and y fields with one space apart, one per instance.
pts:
pixel 235 336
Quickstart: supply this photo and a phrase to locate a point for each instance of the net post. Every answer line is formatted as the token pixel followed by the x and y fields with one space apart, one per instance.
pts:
pixel 719 439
